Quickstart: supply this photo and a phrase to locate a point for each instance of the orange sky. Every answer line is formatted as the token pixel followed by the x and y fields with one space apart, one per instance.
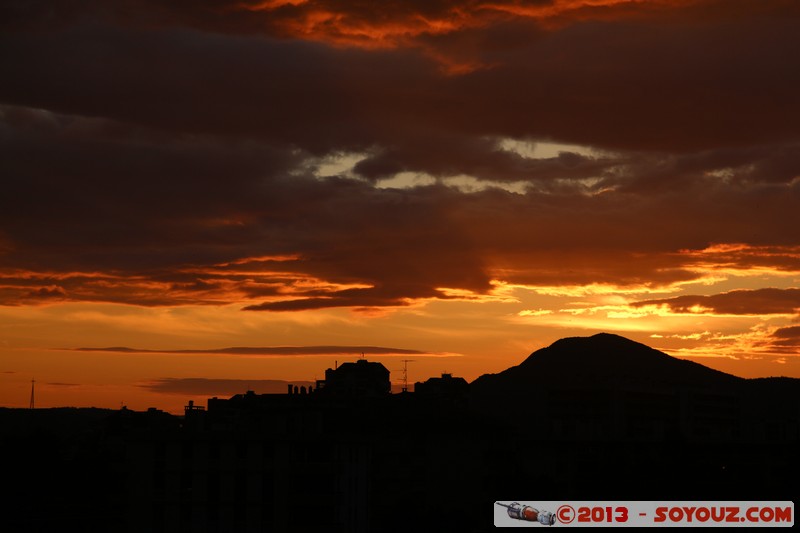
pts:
pixel 207 197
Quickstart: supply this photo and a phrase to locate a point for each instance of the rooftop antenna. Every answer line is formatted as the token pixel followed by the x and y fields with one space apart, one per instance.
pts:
pixel 405 373
pixel 33 381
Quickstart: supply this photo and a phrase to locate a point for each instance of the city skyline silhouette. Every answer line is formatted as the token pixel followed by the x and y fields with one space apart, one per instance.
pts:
pixel 368 459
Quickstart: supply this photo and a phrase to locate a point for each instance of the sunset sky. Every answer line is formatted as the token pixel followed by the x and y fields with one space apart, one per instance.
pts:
pixel 205 196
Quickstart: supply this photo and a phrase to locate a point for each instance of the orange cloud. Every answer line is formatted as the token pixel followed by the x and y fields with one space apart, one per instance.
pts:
pixel 761 345
pixel 767 301
pixel 292 282
pixel 270 4
pixel 423 25
pixel 383 25
pixel 745 259
pixel 560 12
pixel 391 24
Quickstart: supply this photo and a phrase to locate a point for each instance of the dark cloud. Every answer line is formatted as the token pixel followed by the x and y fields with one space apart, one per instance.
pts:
pixel 190 226
pixel 788 333
pixel 277 351
pixel 390 295
pixel 329 20
pixel 655 84
pixel 644 86
pixel 183 81
pixel 480 157
pixel 47 293
pixel 152 151
pixel 784 341
pixel 739 302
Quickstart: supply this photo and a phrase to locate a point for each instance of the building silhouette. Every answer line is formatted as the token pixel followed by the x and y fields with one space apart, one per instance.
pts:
pixel 362 379
pixel 444 386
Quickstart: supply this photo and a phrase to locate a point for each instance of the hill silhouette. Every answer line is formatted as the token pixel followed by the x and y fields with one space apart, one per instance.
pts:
pixel 603 360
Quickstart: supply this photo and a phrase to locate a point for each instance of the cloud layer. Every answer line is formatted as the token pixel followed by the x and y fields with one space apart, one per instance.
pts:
pixel 169 153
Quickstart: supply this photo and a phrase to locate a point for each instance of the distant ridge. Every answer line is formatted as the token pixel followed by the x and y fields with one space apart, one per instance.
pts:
pixel 602 360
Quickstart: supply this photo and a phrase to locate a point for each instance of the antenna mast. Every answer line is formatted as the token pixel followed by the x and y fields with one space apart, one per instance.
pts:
pixel 32 383
pixel 405 373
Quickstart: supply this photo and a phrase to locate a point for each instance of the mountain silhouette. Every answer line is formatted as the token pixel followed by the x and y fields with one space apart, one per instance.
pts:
pixel 601 361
